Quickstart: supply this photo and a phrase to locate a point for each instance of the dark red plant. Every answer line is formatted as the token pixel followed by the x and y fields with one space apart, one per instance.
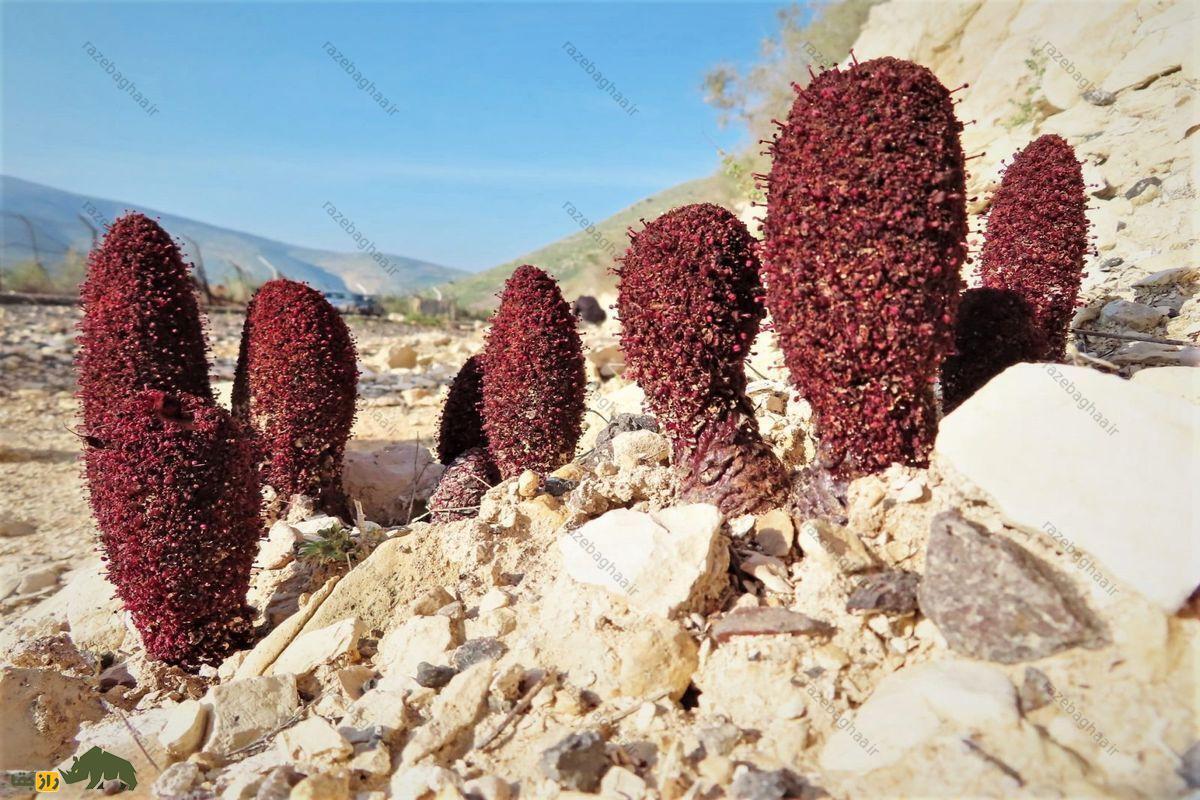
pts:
pixel 994 330
pixel 865 234
pixel 533 379
pixel 174 489
pixel 141 326
pixel 1036 237
pixel 295 387
pixel 461 426
pixel 462 486
pixel 690 307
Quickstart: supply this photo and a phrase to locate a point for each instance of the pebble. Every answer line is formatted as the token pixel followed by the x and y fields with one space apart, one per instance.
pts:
pixel 433 676
pixel 477 650
pixel 577 762
pixel 891 592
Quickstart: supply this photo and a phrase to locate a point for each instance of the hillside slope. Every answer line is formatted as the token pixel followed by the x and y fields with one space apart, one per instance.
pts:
pixel 63 224
pixel 583 260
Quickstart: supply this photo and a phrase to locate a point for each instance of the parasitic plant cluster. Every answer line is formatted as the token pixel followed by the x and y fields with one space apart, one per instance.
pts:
pixel 690 307
pixel 295 388
pixel 533 377
pixel 1036 238
pixel 461 427
pixel 174 493
pixel 993 331
pixel 865 234
pixel 171 478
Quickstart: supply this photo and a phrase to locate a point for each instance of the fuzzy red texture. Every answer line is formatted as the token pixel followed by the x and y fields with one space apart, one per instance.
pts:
pixel 174 489
pixel 690 307
pixel 533 378
pixel 994 330
pixel 1037 237
pixel 295 387
pixel 865 234
pixel 461 427
pixel 462 486
pixel 141 326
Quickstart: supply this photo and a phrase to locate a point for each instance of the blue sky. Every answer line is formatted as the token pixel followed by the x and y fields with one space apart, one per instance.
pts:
pixel 258 126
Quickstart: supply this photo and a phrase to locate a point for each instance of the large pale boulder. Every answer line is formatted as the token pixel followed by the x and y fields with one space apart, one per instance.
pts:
pixel 1098 463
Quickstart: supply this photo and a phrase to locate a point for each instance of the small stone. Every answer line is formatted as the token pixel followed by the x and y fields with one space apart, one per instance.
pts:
pixel 1036 690
pixel 837 546
pixel 528 483
pixel 716 769
pixel 1099 97
pixel 621 423
pixel 452 716
pixel 892 592
pixel 244 710
pixel 635 448
pixel 433 676
pixel 374 759
pixel 11 527
pixel 624 552
pixel 488 787
pixel 314 739
pixel 419 639
pixel 322 786
pixel 425 783
pixel 1131 315
pixel 557 487
pixel 775 532
pixel 1144 190
pixel 993 600
pixel 752 783
pixel 767 622
pixel 400 356
pixel 475 651
pixel 719 739
pixel 620 783
pixel 176 780
pixel 278 549
pixel 768 570
pixel 577 762
pixel 183 731
pixel 310 650
pixel 493 599
pixel 38 580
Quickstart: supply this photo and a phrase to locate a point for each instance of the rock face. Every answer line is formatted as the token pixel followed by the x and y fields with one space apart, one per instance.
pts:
pixel 994 601
pixel 663 562
pixel 1044 442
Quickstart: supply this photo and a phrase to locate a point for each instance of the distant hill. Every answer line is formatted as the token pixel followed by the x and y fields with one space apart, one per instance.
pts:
pixel 63 225
pixel 581 261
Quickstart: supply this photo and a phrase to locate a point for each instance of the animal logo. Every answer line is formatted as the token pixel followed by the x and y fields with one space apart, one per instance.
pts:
pixel 96 766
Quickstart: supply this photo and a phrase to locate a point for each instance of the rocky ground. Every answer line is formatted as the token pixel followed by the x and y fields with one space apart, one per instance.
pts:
pixel 1016 620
